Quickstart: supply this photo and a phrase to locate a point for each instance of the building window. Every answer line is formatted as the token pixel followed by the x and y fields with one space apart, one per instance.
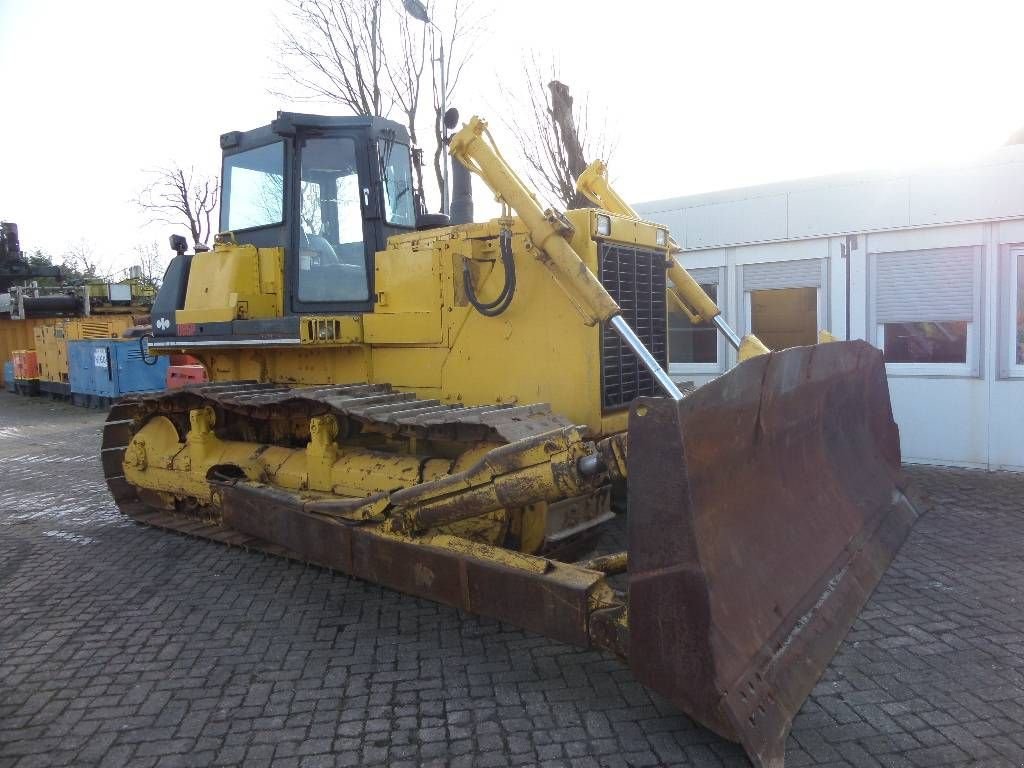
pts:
pixel 925 342
pixel 925 308
pixel 1018 337
pixel 784 317
pixel 689 343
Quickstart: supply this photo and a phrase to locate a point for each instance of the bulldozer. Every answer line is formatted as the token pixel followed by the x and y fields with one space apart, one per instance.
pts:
pixel 455 410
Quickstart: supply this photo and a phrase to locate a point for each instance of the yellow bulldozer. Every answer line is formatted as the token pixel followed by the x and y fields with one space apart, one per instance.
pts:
pixel 453 409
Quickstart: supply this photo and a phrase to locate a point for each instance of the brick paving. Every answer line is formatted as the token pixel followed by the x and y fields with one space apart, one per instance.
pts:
pixel 126 646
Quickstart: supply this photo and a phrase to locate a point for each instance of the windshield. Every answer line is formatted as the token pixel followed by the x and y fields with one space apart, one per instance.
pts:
pixel 253 188
pixel 332 258
pixel 396 171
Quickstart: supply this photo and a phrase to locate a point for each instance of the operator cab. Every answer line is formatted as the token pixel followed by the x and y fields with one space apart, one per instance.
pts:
pixel 330 191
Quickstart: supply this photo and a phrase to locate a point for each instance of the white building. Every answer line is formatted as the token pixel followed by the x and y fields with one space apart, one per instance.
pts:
pixel 935 277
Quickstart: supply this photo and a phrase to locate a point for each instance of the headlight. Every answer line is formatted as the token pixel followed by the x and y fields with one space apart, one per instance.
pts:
pixel 604 225
pixel 661 237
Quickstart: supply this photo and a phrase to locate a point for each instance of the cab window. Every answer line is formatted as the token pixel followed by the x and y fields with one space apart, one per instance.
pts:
pixel 396 171
pixel 332 256
pixel 253 188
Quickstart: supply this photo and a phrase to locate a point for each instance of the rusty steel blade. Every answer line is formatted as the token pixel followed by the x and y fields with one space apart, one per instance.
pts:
pixel 763 510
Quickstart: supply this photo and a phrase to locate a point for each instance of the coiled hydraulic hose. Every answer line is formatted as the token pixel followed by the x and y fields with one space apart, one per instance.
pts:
pixel 143 351
pixel 500 304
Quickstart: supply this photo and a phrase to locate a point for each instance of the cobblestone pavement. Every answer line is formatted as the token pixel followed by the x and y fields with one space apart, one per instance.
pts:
pixel 122 645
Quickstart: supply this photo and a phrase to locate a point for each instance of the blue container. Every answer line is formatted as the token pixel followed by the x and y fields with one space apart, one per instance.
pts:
pixel 112 367
pixel 9 376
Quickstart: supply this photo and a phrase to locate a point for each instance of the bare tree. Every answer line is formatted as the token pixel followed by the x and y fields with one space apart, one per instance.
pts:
pixel 79 262
pixel 465 26
pixel 405 75
pixel 150 258
pixel 333 50
pixel 369 56
pixel 557 136
pixel 181 197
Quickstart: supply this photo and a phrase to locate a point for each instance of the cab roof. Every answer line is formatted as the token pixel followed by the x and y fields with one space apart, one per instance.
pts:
pixel 289 124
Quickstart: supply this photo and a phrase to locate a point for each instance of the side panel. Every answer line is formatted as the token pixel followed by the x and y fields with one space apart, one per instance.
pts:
pixel 408 308
pixel 233 282
pixel 133 373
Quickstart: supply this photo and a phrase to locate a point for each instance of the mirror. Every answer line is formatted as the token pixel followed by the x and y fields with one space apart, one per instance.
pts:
pixel 178 244
pixel 451 118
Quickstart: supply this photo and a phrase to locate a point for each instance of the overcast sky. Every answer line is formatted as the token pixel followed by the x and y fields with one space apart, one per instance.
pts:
pixel 699 95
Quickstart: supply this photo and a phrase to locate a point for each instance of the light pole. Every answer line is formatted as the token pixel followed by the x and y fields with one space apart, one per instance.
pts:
pixel 418 11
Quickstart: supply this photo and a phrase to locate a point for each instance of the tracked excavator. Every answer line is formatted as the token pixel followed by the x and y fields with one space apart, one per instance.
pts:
pixel 451 409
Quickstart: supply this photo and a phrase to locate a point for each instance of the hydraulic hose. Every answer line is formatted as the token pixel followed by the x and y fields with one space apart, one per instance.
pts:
pixel 146 357
pixel 504 299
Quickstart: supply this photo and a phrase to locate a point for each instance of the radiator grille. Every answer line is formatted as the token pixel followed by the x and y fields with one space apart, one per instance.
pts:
pixel 635 278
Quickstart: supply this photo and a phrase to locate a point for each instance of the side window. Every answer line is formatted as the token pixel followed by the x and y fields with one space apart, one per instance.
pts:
pixel 1015 318
pixel 332 255
pixel 925 342
pixel 1018 336
pixel 689 343
pixel 925 306
pixel 396 171
pixel 253 188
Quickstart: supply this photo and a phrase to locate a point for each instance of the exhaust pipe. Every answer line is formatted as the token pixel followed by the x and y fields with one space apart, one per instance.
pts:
pixel 462 194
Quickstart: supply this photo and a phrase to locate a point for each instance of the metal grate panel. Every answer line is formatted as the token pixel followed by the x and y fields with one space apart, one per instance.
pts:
pixel 635 278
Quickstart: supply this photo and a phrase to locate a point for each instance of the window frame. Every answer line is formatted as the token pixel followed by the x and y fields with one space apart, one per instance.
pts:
pixel 971 368
pixel 1014 369
pixel 720 365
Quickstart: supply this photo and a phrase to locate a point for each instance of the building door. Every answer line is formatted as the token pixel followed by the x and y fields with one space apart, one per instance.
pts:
pixel 783 302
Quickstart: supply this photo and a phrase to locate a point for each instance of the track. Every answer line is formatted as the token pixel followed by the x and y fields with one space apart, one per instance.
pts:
pixel 375 408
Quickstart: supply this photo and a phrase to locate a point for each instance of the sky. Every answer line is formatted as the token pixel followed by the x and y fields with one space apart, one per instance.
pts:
pixel 697 96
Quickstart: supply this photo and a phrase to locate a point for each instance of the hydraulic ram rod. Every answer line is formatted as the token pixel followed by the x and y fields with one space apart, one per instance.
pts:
pixel 621 327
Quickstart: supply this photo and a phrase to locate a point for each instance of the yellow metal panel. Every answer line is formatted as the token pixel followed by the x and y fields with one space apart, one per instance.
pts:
pixel 52 353
pixel 410 367
pixel 406 328
pixel 233 282
pixel 408 289
pixel 538 350
pixel 271 273
pixel 98 326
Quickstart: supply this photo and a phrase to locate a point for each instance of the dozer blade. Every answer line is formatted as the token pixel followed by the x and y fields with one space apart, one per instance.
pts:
pixel 763 510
